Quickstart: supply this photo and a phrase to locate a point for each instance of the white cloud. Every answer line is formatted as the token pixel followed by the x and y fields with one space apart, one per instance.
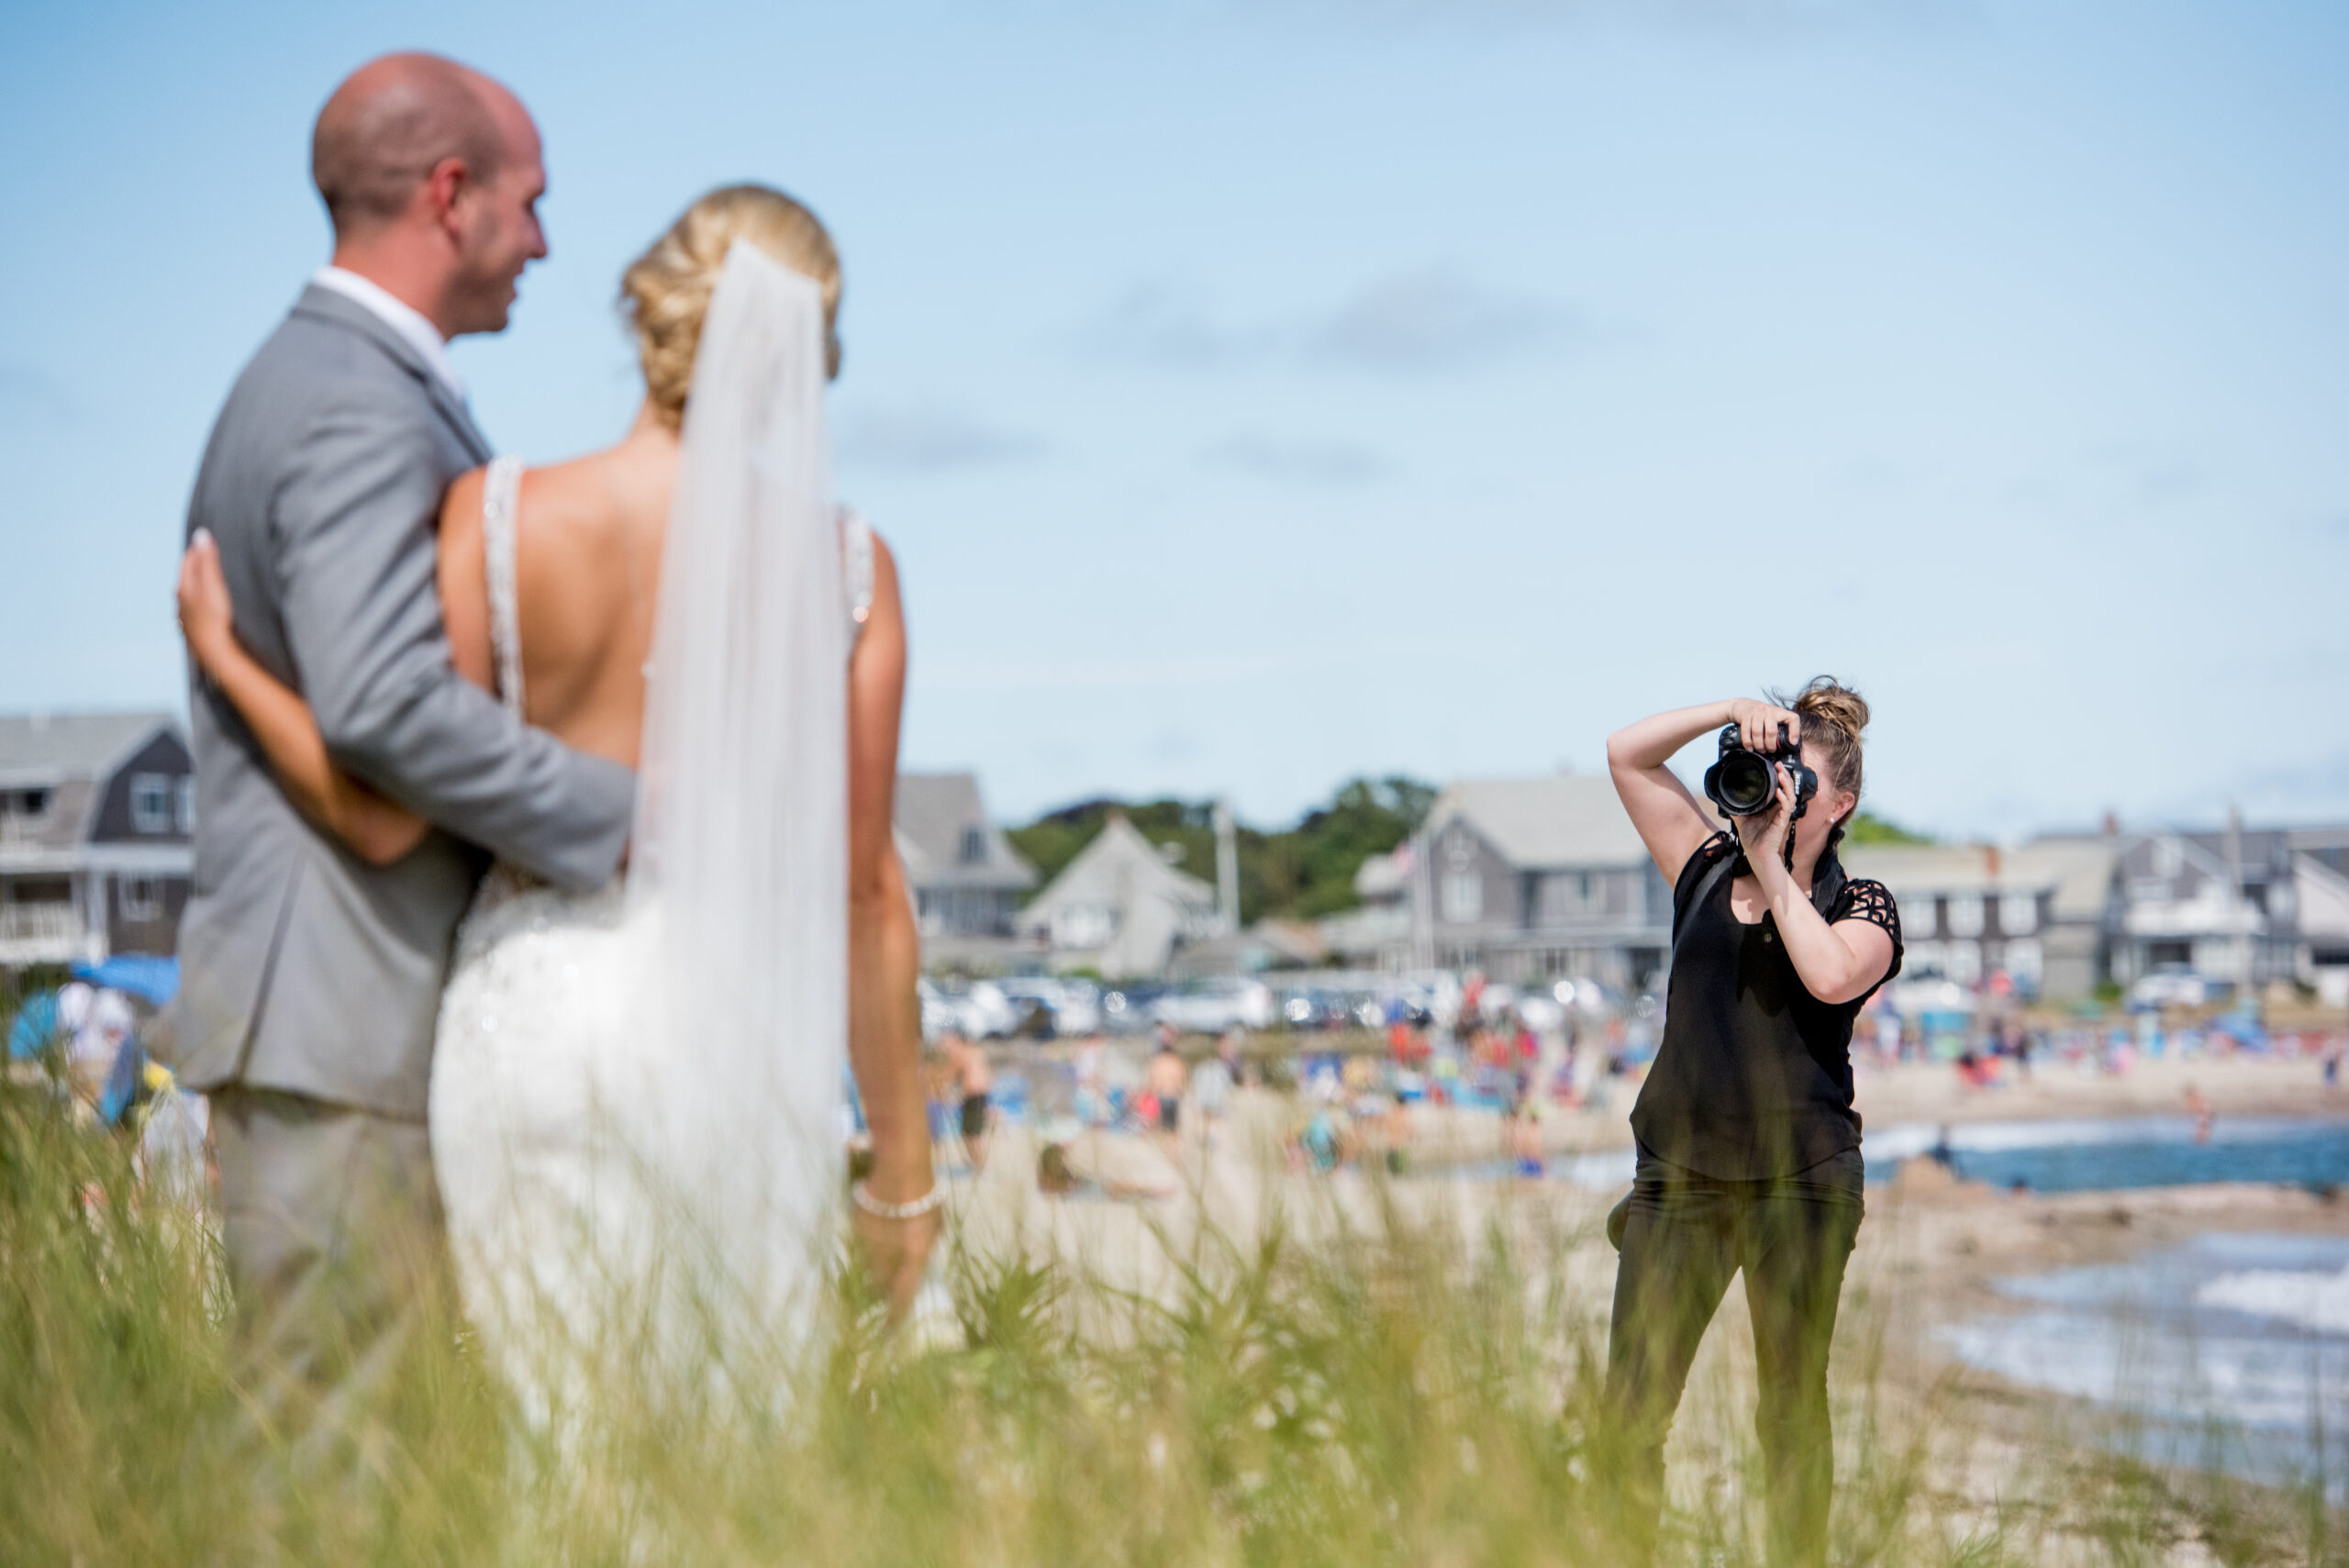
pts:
pixel 1296 463
pixel 929 440
pixel 1433 320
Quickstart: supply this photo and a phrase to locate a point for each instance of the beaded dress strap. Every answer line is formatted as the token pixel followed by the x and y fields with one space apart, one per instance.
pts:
pixel 856 567
pixel 501 493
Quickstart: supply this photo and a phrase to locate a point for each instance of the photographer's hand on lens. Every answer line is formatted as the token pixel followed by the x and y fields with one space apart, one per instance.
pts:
pixel 1758 723
pixel 1765 835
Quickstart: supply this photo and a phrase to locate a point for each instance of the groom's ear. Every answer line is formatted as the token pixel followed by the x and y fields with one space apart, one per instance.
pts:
pixel 444 189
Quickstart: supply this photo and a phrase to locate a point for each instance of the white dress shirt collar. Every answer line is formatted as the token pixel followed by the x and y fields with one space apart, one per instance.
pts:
pixel 401 317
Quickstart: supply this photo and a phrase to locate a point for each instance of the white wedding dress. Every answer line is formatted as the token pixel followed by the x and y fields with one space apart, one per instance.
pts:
pixel 636 1093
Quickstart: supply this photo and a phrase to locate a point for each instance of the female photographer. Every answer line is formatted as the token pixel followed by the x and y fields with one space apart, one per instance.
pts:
pixel 1749 1149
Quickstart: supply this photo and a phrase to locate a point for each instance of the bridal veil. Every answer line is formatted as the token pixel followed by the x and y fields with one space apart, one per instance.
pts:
pixel 739 856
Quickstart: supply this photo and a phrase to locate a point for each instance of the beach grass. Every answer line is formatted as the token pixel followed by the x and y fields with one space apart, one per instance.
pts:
pixel 1375 1386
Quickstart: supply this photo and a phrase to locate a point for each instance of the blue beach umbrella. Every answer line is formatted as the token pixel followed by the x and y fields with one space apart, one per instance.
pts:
pixel 151 979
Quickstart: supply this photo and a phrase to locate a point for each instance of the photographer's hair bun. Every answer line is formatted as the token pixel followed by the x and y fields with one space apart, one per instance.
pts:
pixel 1832 717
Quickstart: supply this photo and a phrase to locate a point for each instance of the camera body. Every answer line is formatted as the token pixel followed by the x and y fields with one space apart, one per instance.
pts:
pixel 1744 781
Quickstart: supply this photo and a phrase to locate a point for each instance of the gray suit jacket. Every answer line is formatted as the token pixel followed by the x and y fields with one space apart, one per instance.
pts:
pixel 302 968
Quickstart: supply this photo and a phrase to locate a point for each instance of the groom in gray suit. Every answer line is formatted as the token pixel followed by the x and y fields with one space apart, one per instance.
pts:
pixel 310 978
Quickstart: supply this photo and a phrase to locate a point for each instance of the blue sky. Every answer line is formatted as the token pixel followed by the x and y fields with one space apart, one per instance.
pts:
pixel 1257 394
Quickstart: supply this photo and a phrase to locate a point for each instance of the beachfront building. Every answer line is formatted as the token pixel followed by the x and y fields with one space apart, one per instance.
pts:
pixel 1121 909
pixel 1376 932
pixel 966 877
pixel 1524 879
pixel 2043 917
pixel 96 816
pixel 2242 906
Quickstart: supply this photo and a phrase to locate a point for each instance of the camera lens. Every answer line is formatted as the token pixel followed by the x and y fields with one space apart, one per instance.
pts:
pixel 1746 785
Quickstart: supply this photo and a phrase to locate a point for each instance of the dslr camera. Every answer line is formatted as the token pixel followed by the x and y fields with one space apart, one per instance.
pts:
pixel 1744 783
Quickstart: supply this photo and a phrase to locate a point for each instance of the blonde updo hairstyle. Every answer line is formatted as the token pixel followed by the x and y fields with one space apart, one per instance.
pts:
pixel 1832 717
pixel 666 292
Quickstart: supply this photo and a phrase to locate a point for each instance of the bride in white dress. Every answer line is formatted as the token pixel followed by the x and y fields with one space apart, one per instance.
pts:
pixel 636 1093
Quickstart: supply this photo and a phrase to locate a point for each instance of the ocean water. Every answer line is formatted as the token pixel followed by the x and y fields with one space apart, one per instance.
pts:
pixel 2062 1156
pixel 2127 1151
pixel 2229 1352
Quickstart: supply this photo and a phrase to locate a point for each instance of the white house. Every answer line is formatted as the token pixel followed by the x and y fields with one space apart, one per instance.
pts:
pixel 1120 908
pixel 2042 913
pixel 2241 905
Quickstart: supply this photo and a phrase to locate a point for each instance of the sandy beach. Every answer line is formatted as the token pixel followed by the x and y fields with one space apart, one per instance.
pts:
pixel 1930 1262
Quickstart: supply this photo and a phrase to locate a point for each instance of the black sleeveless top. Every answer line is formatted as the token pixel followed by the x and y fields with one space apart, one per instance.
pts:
pixel 1754 1078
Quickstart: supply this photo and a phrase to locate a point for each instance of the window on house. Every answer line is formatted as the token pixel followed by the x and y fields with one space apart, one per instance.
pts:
pixel 24 803
pixel 1962 961
pixel 142 898
pixel 1568 897
pixel 975 846
pixel 2026 962
pixel 1084 925
pixel 2018 914
pixel 150 803
pixel 187 803
pixel 1463 897
pixel 1964 913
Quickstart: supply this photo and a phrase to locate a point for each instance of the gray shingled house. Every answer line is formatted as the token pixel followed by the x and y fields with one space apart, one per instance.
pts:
pixel 97 811
pixel 966 877
pixel 1528 878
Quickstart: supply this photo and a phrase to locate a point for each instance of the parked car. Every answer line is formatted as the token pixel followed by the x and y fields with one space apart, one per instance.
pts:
pixel 1393 1001
pixel 1126 1010
pixel 1542 1014
pixel 978 1010
pixel 1054 1007
pixel 1584 995
pixel 1212 1007
pixel 1927 995
pixel 937 1013
pixel 1312 1008
pixel 2176 986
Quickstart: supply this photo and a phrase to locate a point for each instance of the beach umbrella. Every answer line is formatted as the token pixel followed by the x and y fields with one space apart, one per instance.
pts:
pixel 153 979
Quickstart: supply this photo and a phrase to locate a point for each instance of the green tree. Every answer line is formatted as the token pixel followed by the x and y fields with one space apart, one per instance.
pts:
pixel 1869 828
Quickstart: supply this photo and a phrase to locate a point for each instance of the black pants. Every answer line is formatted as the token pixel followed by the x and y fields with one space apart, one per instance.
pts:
pixel 1683 1236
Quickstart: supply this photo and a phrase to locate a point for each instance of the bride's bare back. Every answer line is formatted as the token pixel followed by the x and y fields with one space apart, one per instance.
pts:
pixel 588 535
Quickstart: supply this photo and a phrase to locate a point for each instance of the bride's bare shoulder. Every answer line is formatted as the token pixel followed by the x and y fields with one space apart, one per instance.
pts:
pixel 460 508
pixel 567 486
pixel 464 594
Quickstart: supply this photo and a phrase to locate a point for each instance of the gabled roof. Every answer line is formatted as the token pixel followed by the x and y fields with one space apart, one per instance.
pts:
pixel 2077 871
pixel 933 810
pixel 1384 876
pixel 51 748
pixel 1563 820
pixel 1117 867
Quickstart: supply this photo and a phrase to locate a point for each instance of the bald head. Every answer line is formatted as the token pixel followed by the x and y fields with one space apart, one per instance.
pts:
pixel 432 173
pixel 394 121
